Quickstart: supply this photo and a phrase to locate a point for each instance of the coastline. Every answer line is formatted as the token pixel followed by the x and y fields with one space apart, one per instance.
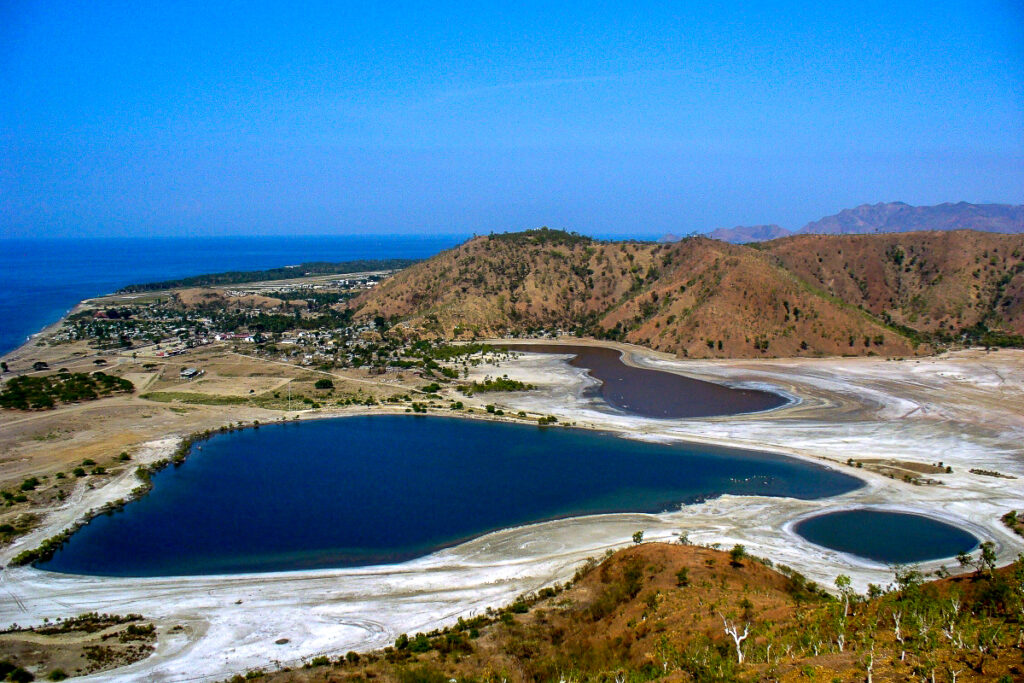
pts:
pixel 846 406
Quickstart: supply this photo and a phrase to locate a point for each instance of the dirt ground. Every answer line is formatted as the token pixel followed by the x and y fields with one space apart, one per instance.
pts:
pixel 80 646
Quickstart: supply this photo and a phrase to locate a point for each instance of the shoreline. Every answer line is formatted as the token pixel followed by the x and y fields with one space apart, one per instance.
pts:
pixel 848 406
pixel 145 487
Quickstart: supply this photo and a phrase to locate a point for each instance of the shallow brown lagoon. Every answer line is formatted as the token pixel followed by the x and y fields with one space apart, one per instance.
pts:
pixel 653 393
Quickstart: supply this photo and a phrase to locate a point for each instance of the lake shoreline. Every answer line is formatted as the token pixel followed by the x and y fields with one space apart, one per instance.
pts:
pixel 847 407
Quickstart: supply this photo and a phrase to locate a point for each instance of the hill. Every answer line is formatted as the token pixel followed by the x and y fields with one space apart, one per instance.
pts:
pixel 900 217
pixel 934 282
pixel 663 612
pixel 697 297
pixel 744 234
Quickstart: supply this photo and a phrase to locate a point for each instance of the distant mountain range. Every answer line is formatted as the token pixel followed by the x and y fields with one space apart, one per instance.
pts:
pixel 887 217
pixel 743 234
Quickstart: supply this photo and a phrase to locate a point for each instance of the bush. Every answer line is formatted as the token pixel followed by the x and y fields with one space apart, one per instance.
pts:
pixel 324 384
pixel 683 577
pixel 19 675
pixel 421 674
pixel 40 393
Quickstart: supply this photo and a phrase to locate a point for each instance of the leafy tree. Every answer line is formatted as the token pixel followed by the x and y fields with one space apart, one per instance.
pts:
pixel 843 583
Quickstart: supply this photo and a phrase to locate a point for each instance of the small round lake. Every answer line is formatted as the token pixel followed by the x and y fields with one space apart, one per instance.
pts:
pixel 653 393
pixel 379 489
pixel 887 537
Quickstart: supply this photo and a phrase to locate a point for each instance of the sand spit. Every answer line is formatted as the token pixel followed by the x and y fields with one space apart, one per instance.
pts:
pixel 965 409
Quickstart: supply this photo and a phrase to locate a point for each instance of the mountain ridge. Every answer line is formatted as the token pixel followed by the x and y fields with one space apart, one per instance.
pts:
pixel 705 298
pixel 886 217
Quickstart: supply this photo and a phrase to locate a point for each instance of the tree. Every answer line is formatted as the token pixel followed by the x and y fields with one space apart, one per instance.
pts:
pixel 737 554
pixel 638 537
pixel 843 583
pixel 324 384
pixel 732 631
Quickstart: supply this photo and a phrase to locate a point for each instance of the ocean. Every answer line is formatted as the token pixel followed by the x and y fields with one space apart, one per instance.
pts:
pixel 42 279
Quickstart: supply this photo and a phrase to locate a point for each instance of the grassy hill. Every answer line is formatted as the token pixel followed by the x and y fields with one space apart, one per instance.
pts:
pixel 937 282
pixel 802 295
pixel 661 612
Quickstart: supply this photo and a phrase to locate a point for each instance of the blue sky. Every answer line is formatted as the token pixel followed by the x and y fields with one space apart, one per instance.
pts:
pixel 606 118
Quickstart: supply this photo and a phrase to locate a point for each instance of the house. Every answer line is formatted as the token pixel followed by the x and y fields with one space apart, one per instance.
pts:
pixel 190 373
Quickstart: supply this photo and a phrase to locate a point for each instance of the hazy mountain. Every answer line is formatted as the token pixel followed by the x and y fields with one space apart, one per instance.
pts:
pixel 744 234
pixel 900 217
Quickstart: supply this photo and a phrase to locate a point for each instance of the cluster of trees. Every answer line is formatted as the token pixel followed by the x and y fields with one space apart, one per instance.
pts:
pixel 495 384
pixel 285 273
pixel 41 393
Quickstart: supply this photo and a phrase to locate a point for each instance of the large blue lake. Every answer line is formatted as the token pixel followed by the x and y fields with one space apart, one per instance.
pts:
pixel 367 490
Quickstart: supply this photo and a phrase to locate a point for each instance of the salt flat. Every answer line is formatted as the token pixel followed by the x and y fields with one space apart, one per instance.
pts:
pixel 965 409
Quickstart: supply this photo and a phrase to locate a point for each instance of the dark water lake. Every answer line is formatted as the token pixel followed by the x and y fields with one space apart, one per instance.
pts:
pixel 378 489
pixel 888 537
pixel 652 393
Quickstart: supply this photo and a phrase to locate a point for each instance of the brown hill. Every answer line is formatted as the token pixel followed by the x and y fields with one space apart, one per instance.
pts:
pixel 801 295
pixel 938 282
pixel 900 217
pixel 661 612
pixel 698 297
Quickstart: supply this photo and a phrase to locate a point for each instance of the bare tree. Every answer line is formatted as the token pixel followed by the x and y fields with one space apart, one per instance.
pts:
pixel 732 631
pixel 896 616
pixel 869 662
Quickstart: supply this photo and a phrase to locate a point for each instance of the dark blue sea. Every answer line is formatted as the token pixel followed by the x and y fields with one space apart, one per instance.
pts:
pixel 40 280
pixel 366 490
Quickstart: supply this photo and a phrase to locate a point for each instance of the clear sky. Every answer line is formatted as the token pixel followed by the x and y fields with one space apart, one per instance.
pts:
pixel 629 118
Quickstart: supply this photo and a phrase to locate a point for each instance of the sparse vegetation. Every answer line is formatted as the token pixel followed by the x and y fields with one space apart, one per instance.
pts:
pixel 661 612
pixel 497 384
pixel 40 393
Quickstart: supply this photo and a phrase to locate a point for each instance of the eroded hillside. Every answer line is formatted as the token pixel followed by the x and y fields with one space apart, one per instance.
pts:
pixel 929 281
pixel 802 295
